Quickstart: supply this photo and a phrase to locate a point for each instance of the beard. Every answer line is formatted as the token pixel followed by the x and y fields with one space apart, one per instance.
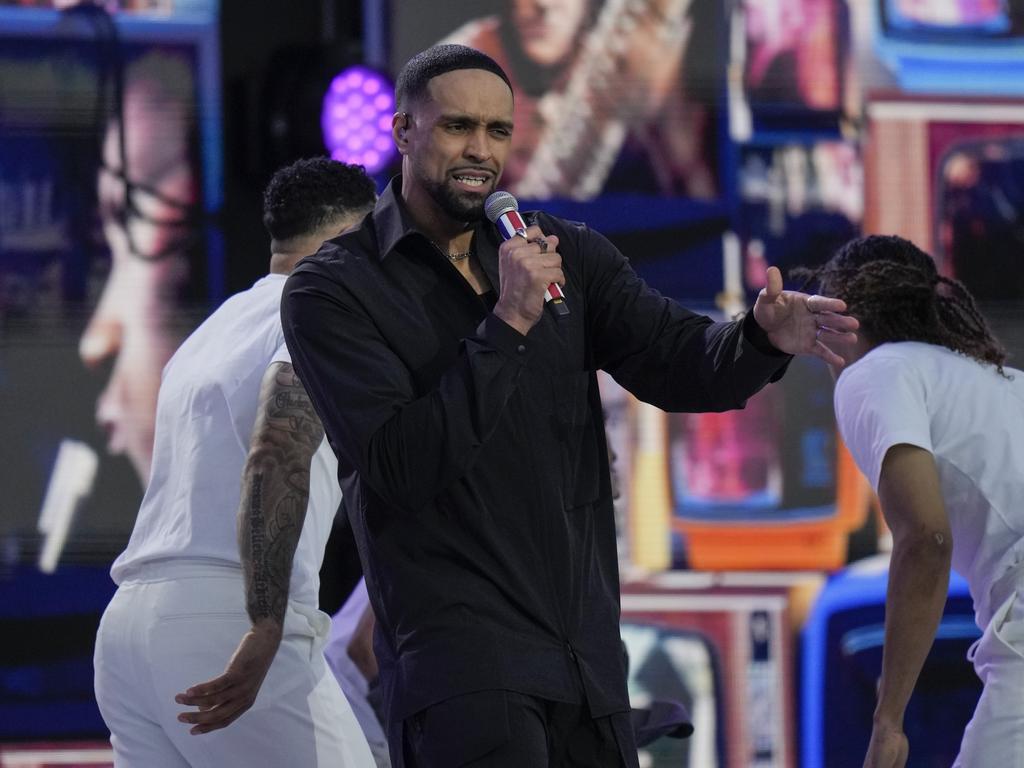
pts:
pixel 465 207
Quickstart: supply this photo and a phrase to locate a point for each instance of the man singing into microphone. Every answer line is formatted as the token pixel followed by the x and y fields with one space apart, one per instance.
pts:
pixel 467 425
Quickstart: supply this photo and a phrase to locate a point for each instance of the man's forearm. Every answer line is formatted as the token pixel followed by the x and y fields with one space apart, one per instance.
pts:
pixel 275 491
pixel 918 584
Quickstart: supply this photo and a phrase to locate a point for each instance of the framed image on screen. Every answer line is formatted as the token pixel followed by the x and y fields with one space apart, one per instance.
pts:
pixel 794 60
pixel 774 472
pixel 726 654
pixel 946 175
pixel 768 487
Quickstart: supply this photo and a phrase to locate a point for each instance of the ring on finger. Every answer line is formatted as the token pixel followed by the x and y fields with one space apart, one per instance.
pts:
pixel 541 242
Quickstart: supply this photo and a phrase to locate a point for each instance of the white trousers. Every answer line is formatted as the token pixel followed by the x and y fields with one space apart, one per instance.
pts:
pixel 178 626
pixel 995 735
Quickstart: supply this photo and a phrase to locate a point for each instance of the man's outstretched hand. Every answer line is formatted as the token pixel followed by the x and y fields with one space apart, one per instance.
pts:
pixel 800 324
pixel 224 699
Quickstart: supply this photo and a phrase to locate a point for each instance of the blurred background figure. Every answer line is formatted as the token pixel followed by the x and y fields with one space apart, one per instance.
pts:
pixel 147 194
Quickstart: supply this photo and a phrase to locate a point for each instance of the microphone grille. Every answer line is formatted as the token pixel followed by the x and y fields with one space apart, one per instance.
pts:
pixel 498 203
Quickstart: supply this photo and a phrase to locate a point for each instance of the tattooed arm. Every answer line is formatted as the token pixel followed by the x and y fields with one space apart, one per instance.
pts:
pixel 275 489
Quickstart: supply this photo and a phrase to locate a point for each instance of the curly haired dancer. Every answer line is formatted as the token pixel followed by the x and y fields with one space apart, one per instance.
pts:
pixel 934 418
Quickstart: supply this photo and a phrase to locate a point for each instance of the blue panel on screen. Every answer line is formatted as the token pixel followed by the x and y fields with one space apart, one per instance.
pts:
pixel 958 46
pixel 842 657
pixel 955 18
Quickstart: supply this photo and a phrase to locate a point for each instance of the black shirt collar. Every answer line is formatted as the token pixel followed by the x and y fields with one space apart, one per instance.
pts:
pixel 393 224
pixel 391 220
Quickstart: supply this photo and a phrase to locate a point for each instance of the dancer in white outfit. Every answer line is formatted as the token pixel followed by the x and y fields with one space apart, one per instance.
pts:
pixel 936 423
pixel 190 588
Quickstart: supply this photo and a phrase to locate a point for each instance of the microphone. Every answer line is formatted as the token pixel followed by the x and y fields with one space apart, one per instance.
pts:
pixel 503 210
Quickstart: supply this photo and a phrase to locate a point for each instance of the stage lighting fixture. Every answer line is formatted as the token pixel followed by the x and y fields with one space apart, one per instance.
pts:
pixel 356 118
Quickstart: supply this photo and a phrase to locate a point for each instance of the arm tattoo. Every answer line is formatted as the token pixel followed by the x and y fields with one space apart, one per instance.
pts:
pixel 275 490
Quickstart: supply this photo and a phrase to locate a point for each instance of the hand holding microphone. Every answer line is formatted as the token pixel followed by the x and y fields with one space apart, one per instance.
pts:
pixel 529 265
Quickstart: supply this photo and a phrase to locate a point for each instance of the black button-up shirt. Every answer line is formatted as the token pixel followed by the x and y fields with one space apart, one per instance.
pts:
pixel 473 459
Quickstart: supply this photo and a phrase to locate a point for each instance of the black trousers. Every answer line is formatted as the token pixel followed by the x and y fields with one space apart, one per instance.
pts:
pixel 504 729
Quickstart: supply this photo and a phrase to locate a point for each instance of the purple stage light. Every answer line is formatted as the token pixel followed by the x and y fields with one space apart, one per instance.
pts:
pixel 356 118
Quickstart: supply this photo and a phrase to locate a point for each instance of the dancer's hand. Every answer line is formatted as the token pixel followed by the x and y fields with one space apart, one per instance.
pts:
pixel 224 699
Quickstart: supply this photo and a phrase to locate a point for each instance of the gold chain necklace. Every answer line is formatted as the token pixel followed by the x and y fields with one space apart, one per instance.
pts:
pixel 454 258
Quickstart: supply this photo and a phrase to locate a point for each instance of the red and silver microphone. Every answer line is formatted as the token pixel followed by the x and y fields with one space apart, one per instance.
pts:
pixel 503 209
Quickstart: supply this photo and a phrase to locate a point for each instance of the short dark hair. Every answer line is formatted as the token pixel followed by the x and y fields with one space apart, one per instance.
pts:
pixel 894 289
pixel 307 194
pixel 438 60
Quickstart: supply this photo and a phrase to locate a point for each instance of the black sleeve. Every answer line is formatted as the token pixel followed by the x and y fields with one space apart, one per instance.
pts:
pixel 406 448
pixel 661 352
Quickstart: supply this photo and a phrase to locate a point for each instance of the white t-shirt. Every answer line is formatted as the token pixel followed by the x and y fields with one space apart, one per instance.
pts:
pixel 205 414
pixel 972 420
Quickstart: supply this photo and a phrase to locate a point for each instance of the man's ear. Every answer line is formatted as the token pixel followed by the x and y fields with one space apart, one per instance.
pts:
pixel 400 125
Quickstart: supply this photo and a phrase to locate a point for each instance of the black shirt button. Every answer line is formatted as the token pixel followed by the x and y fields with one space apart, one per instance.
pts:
pixel 521 349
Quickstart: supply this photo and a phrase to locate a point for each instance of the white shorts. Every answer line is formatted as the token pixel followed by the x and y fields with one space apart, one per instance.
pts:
pixel 178 627
pixel 995 735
